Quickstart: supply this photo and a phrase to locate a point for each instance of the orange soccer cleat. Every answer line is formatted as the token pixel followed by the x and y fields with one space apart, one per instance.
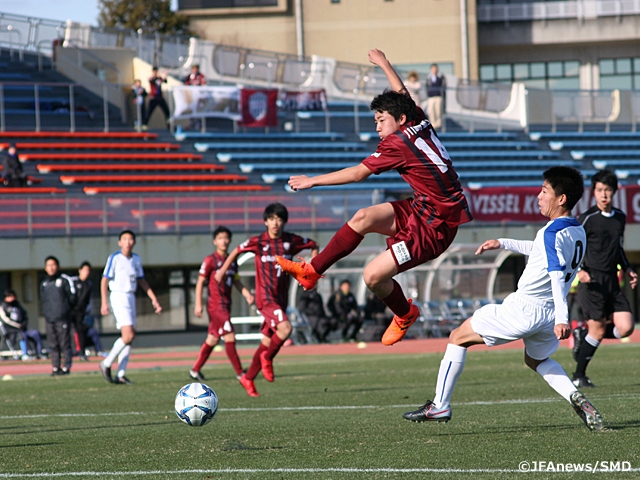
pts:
pixel 249 386
pixel 302 271
pixel 267 367
pixel 400 325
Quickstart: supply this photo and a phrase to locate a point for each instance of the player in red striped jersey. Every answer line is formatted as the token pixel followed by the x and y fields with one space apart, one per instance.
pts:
pixel 272 287
pixel 219 303
pixel 418 229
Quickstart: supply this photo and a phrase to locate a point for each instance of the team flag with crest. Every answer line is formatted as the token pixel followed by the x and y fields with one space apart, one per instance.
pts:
pixel 258 107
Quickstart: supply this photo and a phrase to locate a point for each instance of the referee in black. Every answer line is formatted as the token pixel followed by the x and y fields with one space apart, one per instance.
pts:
pixel 599 295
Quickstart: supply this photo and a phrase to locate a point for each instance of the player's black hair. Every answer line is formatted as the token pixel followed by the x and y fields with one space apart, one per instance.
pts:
pixel 395 104
pixel 606 176
pixel 276 209
pixel 222 229
pixel 10 293
pixel 51 257
pixel 344 280
pixel 567 181
pixel 127 232
pixel 84 264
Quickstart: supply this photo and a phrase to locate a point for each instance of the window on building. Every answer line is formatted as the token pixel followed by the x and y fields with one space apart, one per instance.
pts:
pixel 620 73
pixel 559 75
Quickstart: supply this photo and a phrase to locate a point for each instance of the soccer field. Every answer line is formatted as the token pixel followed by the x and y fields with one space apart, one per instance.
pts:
pixel 324 417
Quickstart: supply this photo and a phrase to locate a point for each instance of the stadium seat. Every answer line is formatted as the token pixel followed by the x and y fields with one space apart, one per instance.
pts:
pixel 141 167
pixel 260 146
pixel 81 135
pixel 24 157
pixel 472 136
pixel 581 154
pixel 96 146
pixel 560 136
pixel 226 157
pixel 258 136
pixel 31 190
pixel 594 144
pixel 174 189
pixel 327 221
pixel 71 179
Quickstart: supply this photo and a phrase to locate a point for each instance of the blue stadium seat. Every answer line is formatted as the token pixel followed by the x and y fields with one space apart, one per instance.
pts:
pixel 471 136
pixel 283 177
pixel 592 144
pixel 559 136
pixel 580 154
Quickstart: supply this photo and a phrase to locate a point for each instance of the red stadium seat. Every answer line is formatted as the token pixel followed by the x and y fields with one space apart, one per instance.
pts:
pixel 142 167
pixel 96 146
pixel 71 179
pixel 31 190
pixel 176 189
pixel 101 135
pixel 109 156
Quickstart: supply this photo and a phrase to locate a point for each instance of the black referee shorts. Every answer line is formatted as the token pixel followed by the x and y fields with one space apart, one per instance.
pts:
pixel 602 296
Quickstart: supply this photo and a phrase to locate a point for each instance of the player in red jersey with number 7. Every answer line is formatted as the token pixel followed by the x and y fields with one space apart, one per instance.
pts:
pixel 419 229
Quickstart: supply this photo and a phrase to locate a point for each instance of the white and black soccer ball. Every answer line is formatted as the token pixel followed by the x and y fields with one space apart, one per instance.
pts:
pixel 196 404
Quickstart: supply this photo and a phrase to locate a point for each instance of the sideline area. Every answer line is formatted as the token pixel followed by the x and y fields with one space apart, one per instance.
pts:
pixel 146 358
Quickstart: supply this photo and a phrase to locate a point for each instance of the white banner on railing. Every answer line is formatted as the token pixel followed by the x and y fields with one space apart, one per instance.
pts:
pixel 202 101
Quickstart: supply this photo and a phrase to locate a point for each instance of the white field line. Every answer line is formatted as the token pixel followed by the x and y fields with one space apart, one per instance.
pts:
pixel 271 470
pixel 318 407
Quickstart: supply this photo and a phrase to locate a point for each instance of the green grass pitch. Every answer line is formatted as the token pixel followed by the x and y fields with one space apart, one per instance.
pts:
pixel 334 417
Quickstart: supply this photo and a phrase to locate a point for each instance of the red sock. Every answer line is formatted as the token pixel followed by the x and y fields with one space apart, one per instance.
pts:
pixel 342 244
pixel 274 347
pixel 232 354
pixel 256 365
pixel 205 351
pixel 396 301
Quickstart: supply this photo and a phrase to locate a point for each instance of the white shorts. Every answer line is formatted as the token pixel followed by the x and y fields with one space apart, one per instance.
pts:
pixel 124 308
pixel 519 317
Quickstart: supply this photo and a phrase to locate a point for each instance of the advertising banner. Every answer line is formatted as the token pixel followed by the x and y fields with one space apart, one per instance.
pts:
pixel 206 101
pixel 259 108
pixel 307 101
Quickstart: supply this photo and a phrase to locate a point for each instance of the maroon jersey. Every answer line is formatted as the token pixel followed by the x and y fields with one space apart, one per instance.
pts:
pixel 416 153
pixel 272 285
pixel 195 79
pixel 219 293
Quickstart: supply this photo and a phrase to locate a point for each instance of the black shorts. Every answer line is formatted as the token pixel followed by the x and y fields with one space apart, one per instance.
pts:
pixel 601 297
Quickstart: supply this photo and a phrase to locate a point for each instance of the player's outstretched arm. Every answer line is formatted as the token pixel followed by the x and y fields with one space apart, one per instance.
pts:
pixel 353 174
pixel 488 245
pixel 225 266
pixel 144 285
pixel 377 57
pixel 246 293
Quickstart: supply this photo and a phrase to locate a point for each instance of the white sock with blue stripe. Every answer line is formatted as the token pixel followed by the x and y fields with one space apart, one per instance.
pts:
pixel 451 367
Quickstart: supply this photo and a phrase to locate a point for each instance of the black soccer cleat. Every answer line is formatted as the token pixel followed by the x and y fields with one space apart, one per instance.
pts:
pixel 196 375
pixel 106 372
pixel 123 381
pixel 587 412
pixel 428 413
pixel 582 382
pixel 579 334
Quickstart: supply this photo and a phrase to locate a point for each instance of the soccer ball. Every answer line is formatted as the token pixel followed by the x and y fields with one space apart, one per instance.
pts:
pixel 196 404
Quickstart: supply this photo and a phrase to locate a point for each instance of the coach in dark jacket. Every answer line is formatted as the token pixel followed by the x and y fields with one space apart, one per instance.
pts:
pixel 58 297
pixel 312 305
pixel 344 308
pixel 83 287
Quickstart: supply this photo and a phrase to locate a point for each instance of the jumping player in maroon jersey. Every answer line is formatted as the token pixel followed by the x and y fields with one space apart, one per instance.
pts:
pixel 219 304
pixel 272 287
pixel 420 228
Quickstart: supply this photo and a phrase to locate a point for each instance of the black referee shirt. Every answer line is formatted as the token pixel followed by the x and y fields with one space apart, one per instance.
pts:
pixel 605 237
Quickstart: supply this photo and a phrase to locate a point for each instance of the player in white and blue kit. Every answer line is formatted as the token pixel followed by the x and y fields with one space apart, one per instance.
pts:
pixel 122 275
pixel 537 312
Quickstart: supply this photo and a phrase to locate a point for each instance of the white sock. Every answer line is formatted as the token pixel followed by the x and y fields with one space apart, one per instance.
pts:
pixel 115 351
pixel 451 367
pixel 123 360
pixel 592 341
pixel 556 377
pixel 616 333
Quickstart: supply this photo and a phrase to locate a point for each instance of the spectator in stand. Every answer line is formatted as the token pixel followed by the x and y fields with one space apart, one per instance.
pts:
pixel 344 308
pixel 412 83
pixel 84 288
pixel 311 304
pixel 195 77
pixel 16 321
pixel 436 85
pixel 155 92
pixel 139 97
pixel 58 297
pixel 376 310
pixel 12 174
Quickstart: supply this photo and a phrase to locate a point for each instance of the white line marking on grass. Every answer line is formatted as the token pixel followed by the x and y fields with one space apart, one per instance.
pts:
pixel 268 470
pixel 317 407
